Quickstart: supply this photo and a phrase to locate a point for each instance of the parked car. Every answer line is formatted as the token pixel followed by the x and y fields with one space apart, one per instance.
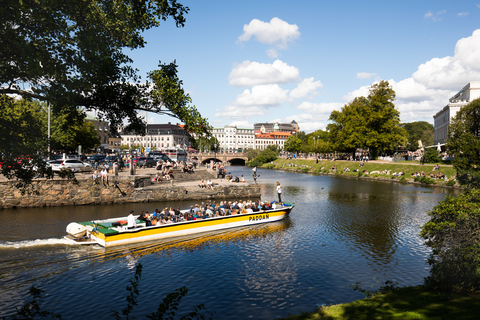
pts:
pixel 162 157
pixel 96 158
pixel 147 162
pixel 55 165
pixel 70 164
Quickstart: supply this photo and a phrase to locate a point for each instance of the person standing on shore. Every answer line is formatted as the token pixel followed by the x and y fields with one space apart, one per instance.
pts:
pixel 279 191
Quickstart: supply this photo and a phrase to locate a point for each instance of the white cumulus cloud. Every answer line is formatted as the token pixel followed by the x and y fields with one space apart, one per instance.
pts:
pixel 263 95
pixel 251 73
pixel 453 72
pixel 276 32
pixel 306 87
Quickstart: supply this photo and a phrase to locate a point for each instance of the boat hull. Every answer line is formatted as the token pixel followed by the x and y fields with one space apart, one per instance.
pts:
pixel 110 237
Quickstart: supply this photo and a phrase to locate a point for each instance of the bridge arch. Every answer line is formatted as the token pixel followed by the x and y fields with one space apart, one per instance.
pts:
pixel 233 158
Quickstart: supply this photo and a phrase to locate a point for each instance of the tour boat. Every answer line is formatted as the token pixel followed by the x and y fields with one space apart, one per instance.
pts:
pixel 114 231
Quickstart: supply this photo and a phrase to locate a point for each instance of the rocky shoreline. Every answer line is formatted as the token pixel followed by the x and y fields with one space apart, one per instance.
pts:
pixel 121 188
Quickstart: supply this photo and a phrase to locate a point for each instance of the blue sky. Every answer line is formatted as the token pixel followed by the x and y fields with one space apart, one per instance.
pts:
pixel 244 62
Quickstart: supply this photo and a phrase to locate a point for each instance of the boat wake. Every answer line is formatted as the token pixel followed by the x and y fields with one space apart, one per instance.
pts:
pixel 34 243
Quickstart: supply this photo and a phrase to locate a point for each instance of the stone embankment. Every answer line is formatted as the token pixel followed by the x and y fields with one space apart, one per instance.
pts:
pixel 122 188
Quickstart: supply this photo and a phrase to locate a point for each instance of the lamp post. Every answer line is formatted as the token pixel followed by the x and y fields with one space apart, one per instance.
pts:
pixel 215 150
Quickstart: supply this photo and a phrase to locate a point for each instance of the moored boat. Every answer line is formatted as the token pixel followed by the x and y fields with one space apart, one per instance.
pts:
pixel 114 231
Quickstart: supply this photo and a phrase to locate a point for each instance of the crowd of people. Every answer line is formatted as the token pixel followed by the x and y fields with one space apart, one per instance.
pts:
pixel 201 211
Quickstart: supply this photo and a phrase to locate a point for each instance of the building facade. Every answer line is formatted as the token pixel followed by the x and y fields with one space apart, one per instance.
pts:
pixel 233 139
pixel 268 127
pixel 103 131
pixel 278 138
pixel 442 118
pixel 158 137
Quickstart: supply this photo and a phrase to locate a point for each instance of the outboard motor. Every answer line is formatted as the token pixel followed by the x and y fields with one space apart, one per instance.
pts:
pixel 76 230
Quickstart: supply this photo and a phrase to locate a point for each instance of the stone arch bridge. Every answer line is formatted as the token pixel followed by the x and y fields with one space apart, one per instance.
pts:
pixel 233 158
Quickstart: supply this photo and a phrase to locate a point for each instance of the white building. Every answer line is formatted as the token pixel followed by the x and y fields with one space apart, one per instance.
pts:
pixel 233 139
pixel 442 119
pixel 159 136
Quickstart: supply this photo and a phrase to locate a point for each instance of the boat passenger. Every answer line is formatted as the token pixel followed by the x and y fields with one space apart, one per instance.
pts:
pixel 208 213
pixel 143 217
pixel 169 220
pixel 244 210
pixel 131 223
pixel 190 217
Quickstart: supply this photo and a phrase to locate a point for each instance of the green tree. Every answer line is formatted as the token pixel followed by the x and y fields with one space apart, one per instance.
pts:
pixel 432 156
pixel 418 130
pixel 453 234
pixel 69 130
pixel 251 153
pixel 347 132
pixel 22 134
pixel 74 54
pixel 269 154
pixel 464 142
pixel 293 144
pixel 368 123
pixel 304 139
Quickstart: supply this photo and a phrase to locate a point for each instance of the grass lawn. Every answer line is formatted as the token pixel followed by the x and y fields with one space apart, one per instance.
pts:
pixel 376 170
pixel 404 303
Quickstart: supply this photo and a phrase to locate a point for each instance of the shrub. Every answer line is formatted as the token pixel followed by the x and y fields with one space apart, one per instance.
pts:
pixel 424 179
pixel 453 234
pixel 450 183
pixel 265 156
pixel 432 156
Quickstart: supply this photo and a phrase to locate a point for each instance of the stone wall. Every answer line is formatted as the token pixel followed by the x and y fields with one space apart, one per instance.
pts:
pixel 57 192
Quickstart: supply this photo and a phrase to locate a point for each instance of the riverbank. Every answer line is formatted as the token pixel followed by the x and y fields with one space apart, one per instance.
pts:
pixel 122 188
pixel 403 303
pixel 405 172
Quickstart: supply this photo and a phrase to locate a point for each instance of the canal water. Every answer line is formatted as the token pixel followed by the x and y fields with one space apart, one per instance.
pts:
pixel 341 231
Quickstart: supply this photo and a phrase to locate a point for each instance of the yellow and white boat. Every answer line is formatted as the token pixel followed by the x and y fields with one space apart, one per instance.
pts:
pixel 113 232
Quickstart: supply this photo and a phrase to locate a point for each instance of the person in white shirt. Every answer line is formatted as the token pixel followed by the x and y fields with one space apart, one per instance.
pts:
pixel 279 191
pixel 131 223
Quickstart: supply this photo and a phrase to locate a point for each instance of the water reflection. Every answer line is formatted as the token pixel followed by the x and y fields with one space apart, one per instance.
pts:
pixel 340 231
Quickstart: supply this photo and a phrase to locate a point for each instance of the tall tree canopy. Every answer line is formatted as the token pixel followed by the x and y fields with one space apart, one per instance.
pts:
pixel 464 142
pixel 293 144
pixel 73 53
pixel 418 130
pixel 372 122
pixel 319 142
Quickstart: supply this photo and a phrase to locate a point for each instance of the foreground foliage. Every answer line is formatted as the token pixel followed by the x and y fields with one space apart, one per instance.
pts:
pixel 404 303
pixel 453 233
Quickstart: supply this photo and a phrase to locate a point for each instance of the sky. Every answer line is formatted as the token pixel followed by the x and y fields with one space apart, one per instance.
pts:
pixel 244 62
